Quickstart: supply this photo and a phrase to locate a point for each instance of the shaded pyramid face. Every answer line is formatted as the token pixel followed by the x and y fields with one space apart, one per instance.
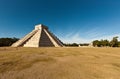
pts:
pixel 39 37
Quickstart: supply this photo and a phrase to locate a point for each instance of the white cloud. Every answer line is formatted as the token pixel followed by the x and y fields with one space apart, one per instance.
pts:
pixel 109 37
pixel 76 38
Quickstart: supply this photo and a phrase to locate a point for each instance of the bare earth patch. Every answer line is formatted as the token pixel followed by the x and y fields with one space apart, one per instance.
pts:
pixel 59 63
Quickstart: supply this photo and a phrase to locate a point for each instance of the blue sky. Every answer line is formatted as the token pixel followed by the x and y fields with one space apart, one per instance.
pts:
pixel 77 21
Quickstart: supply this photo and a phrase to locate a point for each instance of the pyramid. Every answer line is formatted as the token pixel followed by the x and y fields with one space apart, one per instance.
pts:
pixel 39 37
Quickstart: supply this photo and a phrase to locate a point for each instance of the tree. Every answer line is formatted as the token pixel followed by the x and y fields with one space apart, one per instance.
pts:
pixel 114 42
pixel 71 44
pixel 101 43
pixel 7 41
pixel 104 43
pixel 84 44
pixel 96 43
pixel 119 44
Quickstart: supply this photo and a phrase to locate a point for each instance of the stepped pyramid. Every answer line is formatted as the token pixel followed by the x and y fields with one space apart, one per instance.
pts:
pixel 39 37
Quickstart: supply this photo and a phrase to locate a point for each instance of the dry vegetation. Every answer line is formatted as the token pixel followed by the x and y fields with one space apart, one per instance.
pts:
pixel 59 63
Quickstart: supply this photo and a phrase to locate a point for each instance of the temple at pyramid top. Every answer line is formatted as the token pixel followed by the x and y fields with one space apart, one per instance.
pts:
pixel 40 26
pixel 39 37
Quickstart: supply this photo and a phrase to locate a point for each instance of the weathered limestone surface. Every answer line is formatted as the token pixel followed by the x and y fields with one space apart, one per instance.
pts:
pixel 33 41
pixel 39 37
pixel 24 39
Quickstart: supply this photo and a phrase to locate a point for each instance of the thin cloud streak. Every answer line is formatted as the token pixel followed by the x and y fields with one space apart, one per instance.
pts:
pixel 76 38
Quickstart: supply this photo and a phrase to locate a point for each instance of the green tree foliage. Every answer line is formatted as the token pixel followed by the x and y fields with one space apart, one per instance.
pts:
pixel 114 42
pixel 96 43
pixel 72 44
pixel 7 41
pixel 84 44
pixel 118 44
pixel 102 43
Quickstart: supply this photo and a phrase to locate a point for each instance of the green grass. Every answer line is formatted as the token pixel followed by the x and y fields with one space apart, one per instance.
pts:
pixel 59 63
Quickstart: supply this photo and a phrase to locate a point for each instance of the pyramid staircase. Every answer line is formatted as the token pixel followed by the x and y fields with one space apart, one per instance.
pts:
pixel 33 41
pixel 22 41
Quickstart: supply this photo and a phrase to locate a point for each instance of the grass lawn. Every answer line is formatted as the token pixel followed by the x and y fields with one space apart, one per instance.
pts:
pixel 59 63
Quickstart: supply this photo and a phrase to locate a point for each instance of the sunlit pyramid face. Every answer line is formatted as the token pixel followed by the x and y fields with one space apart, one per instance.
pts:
pixel 39 37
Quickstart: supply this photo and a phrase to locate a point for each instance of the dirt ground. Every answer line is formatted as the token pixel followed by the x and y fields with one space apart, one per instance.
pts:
pixel 59 63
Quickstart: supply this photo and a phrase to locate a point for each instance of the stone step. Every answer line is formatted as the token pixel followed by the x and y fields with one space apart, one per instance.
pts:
pixel 21 41
pixel 45 40
pixel 34 41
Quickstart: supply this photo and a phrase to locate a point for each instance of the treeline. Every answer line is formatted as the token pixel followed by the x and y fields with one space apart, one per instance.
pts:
pixel 105 43
pixel 75 44
pixel 71 44
pixel 96 43
pixel 7 41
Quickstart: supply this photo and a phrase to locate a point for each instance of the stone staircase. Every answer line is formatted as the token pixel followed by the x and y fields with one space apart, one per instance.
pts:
pixel 24 39
pixel 34 41
pixel 45 40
